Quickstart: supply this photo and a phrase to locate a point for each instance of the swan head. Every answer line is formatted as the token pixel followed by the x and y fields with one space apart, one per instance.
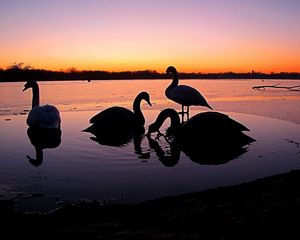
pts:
pixel 152 129
pixel 171 69
pixel 29 84
pixel 162 116
pixel 146 97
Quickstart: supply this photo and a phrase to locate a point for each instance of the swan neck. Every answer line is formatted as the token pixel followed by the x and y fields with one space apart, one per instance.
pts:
pixel 137 110
pixel 175 121
pixel 35 96
pixel 175 81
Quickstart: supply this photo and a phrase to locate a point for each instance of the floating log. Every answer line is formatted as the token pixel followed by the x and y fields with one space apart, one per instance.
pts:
pixel 291 88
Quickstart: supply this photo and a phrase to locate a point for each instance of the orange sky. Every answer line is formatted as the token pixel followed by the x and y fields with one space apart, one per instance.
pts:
pixel 115 35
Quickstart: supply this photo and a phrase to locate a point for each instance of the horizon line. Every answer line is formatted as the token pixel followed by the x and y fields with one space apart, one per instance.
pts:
pixel 74 70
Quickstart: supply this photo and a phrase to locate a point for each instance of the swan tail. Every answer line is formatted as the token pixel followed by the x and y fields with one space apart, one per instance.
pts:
pixel 250 139
pixel 209 106
pixel 205 103
pixel 89 129
pixel 245 139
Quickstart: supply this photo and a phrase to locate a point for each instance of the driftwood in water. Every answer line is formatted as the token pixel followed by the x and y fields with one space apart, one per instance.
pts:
pixel 291 88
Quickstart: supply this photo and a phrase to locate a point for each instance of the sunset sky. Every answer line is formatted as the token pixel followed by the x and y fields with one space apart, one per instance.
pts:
pixel 117 35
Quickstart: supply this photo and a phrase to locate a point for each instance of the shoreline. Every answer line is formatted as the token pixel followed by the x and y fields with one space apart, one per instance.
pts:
pixel 149 79
pixel 265 207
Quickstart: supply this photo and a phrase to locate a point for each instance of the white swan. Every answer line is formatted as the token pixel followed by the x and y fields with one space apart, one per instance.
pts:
pixel 184 95
pixel 46 116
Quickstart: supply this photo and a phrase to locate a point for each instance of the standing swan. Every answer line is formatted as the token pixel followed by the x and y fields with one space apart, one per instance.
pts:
pixel 46 116
pixel 115 121
pixel 182 94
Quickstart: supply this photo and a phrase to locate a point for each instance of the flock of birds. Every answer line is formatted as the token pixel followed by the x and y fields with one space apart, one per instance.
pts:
pixel 206 129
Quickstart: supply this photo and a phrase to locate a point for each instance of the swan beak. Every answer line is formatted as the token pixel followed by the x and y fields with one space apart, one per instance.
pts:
pixel 148 101
pixel 25 88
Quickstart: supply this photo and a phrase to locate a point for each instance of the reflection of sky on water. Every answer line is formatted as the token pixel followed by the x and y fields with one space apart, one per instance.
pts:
pixel 223 95
pixel 80 168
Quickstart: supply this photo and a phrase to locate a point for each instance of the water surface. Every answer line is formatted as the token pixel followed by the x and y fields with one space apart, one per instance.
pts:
pixel 80 168
pixel 222 95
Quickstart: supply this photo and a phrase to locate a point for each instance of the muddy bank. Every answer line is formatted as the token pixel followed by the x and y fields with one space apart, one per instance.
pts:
pixel 268 207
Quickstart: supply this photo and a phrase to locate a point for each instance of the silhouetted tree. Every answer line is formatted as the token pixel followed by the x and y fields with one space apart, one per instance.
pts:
pixel 21 72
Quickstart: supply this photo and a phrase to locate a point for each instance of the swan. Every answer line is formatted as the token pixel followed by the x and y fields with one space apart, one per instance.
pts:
pixel 115 121
pixel 46 116
pixel 209 129
pixel 183 94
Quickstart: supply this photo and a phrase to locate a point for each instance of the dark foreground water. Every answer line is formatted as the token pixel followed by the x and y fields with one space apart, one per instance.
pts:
pixel 80 168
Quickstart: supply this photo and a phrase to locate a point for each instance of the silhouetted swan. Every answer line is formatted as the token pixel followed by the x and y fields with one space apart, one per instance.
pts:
pixel 42 138
pixel 119 121
pixel 208 129
pixel 46 116
pixel 184 95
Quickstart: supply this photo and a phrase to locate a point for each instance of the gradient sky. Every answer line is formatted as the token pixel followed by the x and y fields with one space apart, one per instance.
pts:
pixel 117 35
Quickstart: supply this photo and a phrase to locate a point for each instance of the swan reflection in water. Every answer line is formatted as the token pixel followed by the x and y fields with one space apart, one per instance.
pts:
pixel 169 157
pixel 169 152
pixel 207 138
pixel 42 138
pixel 112 139
pixel 121 139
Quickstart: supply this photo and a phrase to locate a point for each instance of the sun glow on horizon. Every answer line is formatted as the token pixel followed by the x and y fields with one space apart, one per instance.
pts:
pixel 195 36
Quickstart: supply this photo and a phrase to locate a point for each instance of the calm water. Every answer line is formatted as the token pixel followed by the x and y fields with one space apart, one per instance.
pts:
pixel 80 168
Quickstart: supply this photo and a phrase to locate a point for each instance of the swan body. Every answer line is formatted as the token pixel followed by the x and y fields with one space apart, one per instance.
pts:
pixel 120 120
pixel 183 94
pixel 46 116
pixel 207 129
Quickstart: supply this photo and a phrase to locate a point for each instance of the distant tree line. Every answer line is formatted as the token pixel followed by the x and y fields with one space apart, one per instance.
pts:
pixel 19 73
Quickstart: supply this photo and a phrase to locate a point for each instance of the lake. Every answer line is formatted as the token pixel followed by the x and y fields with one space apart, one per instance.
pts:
pixel 81 168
